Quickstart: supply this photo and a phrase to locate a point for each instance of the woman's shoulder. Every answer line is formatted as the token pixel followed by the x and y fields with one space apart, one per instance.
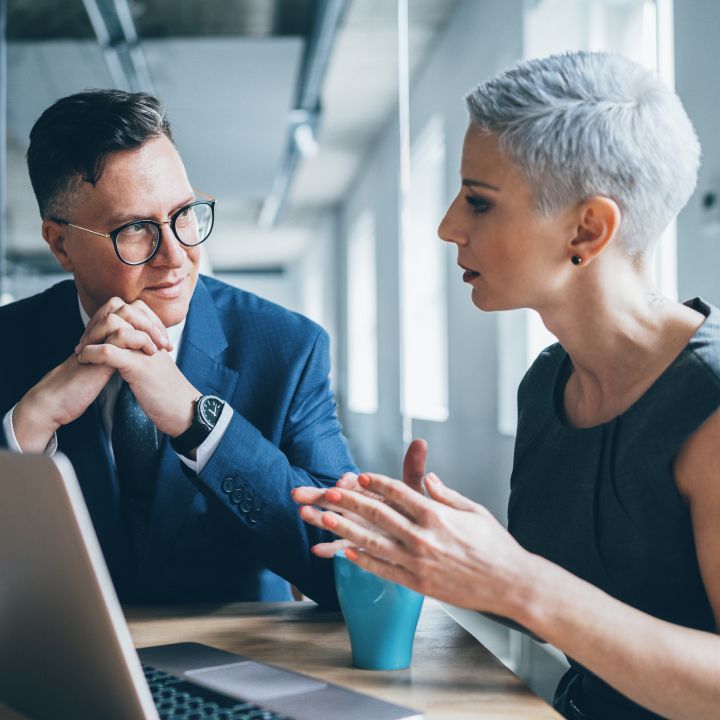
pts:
pixel 703 350
pixel 684 396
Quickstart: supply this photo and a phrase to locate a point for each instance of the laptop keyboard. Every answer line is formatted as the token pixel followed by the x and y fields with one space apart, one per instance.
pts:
pixel 176 699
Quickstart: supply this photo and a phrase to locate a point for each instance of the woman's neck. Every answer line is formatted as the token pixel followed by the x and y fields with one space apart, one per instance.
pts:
pixel 621 335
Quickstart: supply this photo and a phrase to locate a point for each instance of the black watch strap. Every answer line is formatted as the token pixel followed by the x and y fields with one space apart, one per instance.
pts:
pixel 207 412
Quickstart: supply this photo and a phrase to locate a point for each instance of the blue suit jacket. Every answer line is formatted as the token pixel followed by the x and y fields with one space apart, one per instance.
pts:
pixel 203 542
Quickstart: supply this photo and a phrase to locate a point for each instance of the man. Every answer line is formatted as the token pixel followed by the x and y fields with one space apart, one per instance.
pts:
pixel 238 385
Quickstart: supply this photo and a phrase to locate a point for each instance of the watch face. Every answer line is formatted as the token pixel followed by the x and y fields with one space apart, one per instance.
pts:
pixel 210 409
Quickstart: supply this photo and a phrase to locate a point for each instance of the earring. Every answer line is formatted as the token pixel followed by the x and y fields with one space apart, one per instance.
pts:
pixel 576 259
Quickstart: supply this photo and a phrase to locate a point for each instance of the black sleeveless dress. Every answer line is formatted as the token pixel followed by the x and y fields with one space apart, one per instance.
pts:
pixel 602 502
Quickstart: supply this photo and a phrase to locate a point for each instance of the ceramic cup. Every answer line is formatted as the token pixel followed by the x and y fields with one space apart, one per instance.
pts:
pixel 381 617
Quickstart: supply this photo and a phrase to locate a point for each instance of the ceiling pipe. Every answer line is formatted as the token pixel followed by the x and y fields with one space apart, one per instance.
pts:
pixel 118 38
pixel 303 119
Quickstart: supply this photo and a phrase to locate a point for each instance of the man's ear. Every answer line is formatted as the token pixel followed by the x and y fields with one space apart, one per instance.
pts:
pixel 598 222
pixel 55 236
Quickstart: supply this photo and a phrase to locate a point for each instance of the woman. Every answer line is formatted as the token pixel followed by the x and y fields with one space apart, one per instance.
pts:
pixel 572 167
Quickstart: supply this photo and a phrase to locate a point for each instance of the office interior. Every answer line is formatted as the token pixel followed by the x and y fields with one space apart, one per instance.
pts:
pixel 329 131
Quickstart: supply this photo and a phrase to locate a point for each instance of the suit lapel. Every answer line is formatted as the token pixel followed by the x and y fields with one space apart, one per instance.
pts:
pixel 202 346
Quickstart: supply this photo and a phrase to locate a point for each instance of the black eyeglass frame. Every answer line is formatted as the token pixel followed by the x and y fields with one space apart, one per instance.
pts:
pixel 113 234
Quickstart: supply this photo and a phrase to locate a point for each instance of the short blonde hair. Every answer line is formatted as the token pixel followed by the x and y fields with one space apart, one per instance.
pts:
pixel 582 125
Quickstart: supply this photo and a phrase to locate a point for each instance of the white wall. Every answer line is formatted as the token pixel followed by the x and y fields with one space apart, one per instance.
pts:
pixel 316 283
pixel 482 38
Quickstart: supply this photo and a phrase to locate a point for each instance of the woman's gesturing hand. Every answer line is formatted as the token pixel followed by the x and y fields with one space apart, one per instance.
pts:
pixel 413 472
pixel 444 546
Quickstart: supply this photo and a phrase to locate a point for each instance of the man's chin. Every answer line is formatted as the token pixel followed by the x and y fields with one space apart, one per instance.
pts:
pixel 171 313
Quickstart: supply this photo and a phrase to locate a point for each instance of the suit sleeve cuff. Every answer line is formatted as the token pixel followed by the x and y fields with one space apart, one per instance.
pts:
pixel 12 443
pixel 209 445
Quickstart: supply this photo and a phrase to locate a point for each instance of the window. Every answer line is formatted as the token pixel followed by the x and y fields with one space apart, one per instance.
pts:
pixel 423 282
pixel 362 316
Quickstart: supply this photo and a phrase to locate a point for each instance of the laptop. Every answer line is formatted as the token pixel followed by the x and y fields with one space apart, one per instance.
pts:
pixel 65 648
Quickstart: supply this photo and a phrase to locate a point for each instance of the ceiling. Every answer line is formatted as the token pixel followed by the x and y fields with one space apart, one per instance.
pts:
pixel 228 72
pixel 68 19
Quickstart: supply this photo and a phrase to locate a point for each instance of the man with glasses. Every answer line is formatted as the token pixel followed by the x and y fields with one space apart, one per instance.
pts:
pixel 140 347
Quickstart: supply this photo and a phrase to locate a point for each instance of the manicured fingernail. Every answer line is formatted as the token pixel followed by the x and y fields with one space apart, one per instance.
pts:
pixel 351 554
pixel 363 480
pixel 329 521
pixel 333 495
pixel 433 478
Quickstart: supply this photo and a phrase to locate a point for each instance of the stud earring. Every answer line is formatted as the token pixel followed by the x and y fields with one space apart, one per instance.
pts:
pixel 576 259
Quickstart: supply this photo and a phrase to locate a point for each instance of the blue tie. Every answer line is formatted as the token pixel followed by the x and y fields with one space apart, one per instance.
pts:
pixel 135 446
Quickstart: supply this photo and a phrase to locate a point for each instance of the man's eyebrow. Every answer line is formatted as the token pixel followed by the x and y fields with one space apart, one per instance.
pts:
pixel 473 183
pixel 118 220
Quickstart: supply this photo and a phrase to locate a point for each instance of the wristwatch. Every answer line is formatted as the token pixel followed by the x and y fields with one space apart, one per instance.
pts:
pixel 207 412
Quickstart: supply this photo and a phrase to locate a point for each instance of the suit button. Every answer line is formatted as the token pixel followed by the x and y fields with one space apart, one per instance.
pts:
pixel 237 496
pixel 246 505
pixel 254 516
pixel 228 485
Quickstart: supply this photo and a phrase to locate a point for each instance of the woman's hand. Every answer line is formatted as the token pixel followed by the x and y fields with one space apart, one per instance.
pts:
pixel 452 549
pixel 445 546
pixel 413 472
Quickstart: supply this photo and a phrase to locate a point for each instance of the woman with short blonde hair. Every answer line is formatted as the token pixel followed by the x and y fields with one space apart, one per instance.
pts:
pixel 572 168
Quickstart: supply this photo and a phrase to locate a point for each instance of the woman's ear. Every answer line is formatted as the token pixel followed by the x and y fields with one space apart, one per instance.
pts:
pixel 55 235
pixel 598 222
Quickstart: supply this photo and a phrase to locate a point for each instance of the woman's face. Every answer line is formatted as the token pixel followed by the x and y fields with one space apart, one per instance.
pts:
pixel 512 256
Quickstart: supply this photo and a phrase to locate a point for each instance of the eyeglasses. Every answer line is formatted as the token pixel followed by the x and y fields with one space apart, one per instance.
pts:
pixel 137 242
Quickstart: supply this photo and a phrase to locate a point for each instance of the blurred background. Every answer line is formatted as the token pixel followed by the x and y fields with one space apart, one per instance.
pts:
pixel 330 132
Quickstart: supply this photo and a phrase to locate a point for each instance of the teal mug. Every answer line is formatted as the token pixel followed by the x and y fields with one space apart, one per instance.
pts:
pixel 381 616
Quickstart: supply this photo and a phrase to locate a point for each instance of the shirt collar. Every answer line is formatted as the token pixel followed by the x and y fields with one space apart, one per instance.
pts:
pixel 174 333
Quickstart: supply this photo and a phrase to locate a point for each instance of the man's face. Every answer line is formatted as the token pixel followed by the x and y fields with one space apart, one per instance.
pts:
pixel 146 184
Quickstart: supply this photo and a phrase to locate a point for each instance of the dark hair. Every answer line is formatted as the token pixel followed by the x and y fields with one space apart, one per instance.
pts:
pixel 72 139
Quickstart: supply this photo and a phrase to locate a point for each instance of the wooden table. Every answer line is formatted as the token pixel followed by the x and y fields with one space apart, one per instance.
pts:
pixel 452 677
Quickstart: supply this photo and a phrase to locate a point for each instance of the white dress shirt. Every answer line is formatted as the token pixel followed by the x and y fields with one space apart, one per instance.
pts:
pixel 106 401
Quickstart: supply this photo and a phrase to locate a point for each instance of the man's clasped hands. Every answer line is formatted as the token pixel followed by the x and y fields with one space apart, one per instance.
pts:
pixel 129 338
